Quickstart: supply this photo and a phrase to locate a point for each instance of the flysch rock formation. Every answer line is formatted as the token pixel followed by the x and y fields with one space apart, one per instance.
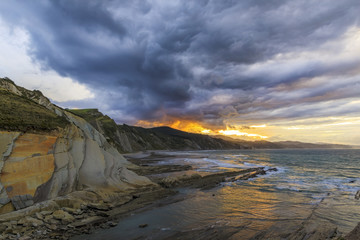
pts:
pixel 38 166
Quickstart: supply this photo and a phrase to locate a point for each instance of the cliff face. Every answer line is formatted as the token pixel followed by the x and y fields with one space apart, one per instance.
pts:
pixel 46 152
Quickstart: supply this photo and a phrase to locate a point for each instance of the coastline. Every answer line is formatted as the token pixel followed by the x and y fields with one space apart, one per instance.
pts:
pixel 69 217
pixel 310 227
pixel 83 212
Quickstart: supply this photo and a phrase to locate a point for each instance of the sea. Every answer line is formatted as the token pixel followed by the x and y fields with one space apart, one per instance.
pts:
pixel 316 184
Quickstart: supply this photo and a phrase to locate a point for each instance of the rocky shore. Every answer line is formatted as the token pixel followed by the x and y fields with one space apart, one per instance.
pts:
pixel 82 212
pixel 60 176
pixel 78 213
pixel 185 177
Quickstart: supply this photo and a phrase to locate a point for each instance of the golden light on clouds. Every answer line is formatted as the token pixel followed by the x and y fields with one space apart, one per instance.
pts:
pixel 196 127
pixel 238 134
pixel 258 126
pixel 183 125
pixel 206 131
pixel 335 129
pixel 338 130
pixel 325 125
pixel 189 126
pixel 301 91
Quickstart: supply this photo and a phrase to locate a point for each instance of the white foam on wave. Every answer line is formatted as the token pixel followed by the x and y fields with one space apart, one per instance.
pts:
pixel 266 167
pixel 205 164
pixel 280 170
pixel 291 188
pixel 221 163
pixel 252 165
pixel 341 184
pixel 296 185
pixel 322 185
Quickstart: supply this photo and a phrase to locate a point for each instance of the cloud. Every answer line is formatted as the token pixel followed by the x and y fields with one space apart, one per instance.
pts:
pixel 15 63
pixel 214 61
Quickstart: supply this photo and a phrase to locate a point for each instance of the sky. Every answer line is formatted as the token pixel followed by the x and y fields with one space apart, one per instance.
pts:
pixel 265 69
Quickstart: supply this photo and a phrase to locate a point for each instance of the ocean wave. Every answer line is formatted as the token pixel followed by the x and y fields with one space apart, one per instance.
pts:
pixel 345 184
pixel 291 188
pixel 253 165
pixel 221 163
pixel 320 186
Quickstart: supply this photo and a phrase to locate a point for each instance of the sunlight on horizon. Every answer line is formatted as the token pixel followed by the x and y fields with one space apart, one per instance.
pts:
pixel 335 130
pixel 195 127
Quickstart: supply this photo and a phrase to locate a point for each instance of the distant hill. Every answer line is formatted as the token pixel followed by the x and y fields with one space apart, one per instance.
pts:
pixel 132 139
pixel 260 144
pixel 282 144
pixel 296 144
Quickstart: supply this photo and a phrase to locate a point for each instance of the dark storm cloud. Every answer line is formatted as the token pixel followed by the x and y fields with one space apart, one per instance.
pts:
pixel 149 59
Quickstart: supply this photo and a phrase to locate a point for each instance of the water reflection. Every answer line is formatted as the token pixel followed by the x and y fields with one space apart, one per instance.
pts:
pixel 247 209
pixel 254 208
pixel 268 207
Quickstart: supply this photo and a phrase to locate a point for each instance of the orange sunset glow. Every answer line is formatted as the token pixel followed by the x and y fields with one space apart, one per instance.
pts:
pixel 213 74
pixel 326 129
pixel 183 125
pixel 196 127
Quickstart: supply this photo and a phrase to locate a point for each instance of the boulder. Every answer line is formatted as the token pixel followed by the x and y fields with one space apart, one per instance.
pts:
pixel 63 216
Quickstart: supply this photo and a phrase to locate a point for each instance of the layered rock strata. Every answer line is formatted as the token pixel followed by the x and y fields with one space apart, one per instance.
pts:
pixel 43 164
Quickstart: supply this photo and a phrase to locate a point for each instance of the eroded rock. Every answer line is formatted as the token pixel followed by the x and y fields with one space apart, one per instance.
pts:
pixel 30 221
pixel 63 216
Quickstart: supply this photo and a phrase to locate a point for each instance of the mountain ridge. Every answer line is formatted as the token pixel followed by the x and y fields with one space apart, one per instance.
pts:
pixel 132 138
pixel 129 139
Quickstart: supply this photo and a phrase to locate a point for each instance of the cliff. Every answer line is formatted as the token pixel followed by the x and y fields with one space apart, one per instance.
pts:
pixel 47 152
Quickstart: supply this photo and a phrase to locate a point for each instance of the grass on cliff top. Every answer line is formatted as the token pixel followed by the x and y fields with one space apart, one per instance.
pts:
pixel 96 118
pixel 83 112
pixel 92 115
pixel 21 114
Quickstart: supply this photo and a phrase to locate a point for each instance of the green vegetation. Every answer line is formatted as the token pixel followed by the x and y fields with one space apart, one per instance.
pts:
pixel 6 79
pixel 131 139
pixel 84 112
pixel 94 117
pixel 22 114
